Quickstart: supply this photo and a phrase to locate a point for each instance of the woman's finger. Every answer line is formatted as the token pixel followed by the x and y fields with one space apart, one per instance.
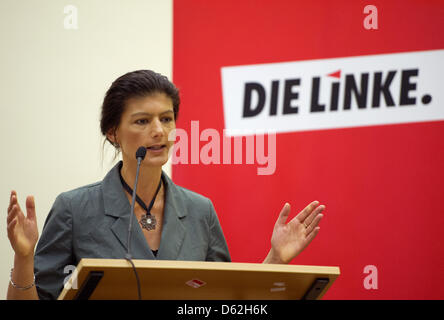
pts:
pixel 12 224
pixel 30 208
pixel 10 228
pixel 314 223
pixel 314 214
pixel 17 212
pixel 306 212
pixel 312 235
pixel 283 215
pixel 12 200
pixel 12 214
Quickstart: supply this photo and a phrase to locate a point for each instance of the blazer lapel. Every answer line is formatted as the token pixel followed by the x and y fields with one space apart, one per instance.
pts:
pixel 116 205
pixel 173 232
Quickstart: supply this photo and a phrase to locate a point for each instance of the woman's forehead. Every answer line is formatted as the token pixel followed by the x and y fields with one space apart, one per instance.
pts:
pixel 153 104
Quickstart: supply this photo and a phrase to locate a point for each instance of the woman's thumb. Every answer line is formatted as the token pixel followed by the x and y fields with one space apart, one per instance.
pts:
pixel 30 208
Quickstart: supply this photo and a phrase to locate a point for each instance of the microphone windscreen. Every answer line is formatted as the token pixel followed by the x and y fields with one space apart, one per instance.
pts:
pixel 141 152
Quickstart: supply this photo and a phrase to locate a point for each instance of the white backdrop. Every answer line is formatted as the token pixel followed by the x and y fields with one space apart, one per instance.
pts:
pixel 57 60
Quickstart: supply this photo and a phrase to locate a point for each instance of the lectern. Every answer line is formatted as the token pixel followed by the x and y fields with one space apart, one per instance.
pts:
pixel 114 279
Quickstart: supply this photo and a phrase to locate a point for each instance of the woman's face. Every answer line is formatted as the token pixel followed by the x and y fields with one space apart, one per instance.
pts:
pixel 146 121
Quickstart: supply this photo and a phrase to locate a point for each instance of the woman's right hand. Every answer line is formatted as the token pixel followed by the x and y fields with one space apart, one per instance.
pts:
pixel 22 231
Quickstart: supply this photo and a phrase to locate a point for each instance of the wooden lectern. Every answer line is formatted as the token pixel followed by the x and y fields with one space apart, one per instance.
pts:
pixel 114 279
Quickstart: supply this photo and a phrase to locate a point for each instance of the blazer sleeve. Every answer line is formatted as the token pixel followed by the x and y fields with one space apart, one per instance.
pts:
pixel 217 247
pixel 53 259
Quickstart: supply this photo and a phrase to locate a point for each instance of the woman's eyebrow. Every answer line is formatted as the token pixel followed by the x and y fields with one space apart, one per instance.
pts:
pixel 149 114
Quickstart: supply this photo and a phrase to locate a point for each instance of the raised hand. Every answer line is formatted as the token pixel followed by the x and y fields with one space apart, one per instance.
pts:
pixel 22 231
pixel 290 239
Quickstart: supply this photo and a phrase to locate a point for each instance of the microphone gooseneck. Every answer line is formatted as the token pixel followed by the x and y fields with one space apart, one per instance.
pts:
pixel 140 155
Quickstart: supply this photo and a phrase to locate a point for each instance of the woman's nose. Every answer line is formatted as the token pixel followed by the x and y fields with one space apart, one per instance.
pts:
pixel 156 128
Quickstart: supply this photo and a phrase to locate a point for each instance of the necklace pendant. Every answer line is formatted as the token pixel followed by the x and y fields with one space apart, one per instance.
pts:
pixel 148 222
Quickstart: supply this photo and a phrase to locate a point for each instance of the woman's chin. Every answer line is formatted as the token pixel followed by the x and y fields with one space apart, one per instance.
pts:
pixel 157 161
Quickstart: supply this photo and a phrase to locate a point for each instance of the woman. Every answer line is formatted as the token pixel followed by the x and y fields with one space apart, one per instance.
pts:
pixel 171 223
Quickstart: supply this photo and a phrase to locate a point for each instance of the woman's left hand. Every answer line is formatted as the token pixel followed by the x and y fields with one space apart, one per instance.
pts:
pixel 290 239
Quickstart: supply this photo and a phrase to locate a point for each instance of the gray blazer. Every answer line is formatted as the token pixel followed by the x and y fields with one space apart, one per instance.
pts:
pixel 92 222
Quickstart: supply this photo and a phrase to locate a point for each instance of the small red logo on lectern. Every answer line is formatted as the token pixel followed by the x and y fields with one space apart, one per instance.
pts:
pixel 195 283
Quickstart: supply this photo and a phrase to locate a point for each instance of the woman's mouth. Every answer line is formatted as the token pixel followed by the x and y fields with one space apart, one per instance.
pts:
pixel 156 148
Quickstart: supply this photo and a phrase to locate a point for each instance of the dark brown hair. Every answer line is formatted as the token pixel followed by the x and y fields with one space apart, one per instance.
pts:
pixel 140 83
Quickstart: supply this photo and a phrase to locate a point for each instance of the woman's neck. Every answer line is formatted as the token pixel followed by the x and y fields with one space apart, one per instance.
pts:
pixel 147 182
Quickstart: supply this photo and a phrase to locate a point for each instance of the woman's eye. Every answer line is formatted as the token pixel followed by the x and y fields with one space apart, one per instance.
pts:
pixel 141 121
pixel 167 119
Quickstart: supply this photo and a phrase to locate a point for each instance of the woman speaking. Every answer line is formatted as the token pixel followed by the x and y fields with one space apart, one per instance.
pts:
pixel 169 222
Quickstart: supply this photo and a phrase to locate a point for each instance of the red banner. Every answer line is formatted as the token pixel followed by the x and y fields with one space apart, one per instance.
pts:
pixel 370 148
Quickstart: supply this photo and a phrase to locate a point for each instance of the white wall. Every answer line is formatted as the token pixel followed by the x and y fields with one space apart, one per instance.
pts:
pixel 52 83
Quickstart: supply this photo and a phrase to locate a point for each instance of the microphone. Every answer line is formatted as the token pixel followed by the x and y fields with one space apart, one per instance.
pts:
pixel 140 155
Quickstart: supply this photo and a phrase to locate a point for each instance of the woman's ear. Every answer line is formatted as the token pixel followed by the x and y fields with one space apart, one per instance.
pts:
pixel 112 138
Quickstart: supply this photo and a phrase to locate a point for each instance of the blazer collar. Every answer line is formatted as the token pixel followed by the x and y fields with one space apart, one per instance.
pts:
pixel 116 204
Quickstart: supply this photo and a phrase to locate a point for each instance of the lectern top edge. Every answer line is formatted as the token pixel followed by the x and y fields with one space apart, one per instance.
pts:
pixel 210 265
